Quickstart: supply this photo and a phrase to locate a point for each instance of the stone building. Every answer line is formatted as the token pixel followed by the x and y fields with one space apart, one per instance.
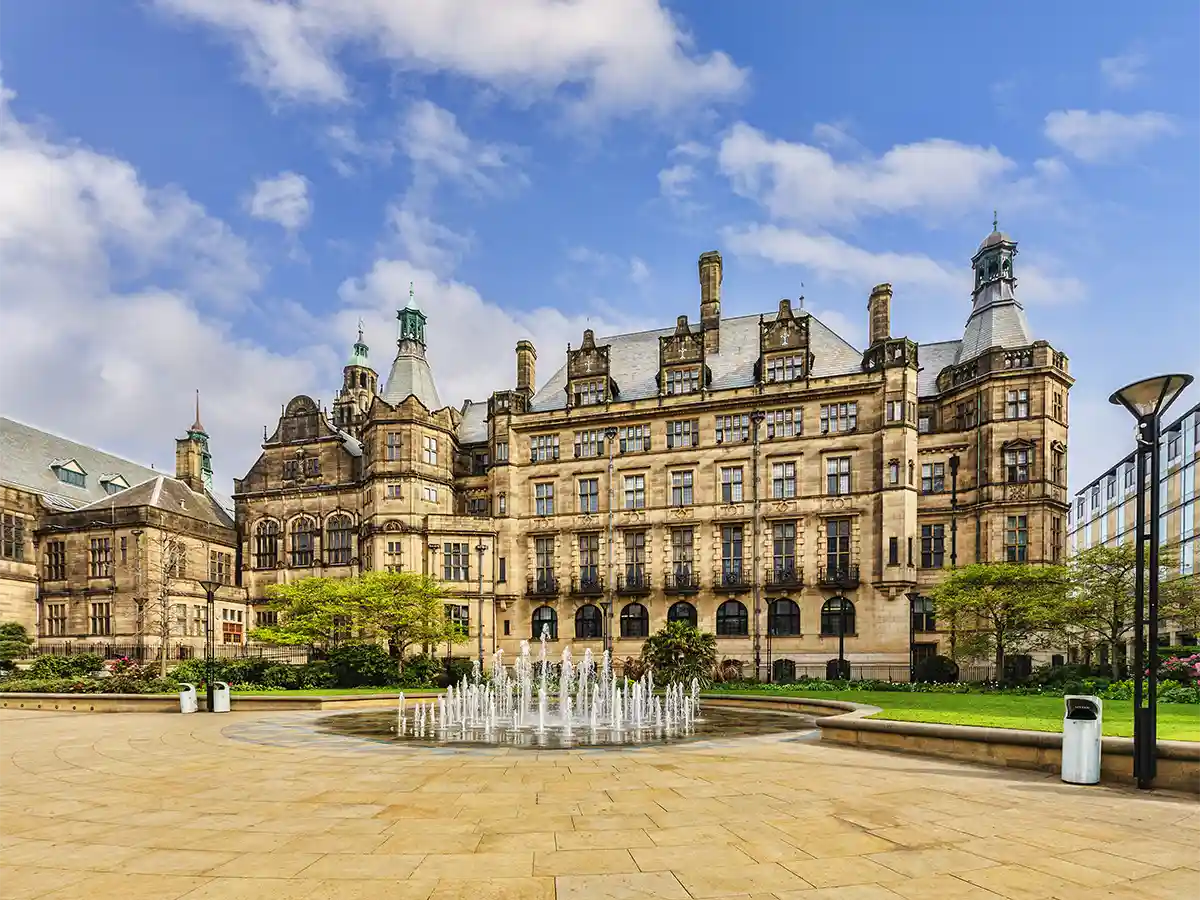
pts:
pixel 756 475
pixel 99 553
pixel 1104 511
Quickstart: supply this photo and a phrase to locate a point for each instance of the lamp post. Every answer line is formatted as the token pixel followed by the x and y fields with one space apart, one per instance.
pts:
pixel 842 637
pixel 756 419
pixel 480 549
pixel 210 592
pixel 913 597
pixel 1146 401
pixel 954 511
pixel 610 435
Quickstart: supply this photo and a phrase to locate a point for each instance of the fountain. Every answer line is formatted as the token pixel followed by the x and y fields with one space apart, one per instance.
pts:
pixel 589 706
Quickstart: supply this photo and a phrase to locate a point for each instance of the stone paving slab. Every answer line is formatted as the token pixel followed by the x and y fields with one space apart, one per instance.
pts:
pixel 163 807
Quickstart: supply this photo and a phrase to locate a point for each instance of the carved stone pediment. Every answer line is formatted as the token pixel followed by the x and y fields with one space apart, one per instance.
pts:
pixel 589 361
pixel 633 515
pixel 786 331
pixel 684 346
pixel 737 510
pixel 891 354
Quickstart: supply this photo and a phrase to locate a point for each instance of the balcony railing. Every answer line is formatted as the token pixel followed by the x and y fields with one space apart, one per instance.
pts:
pixel 838 577
pixel 587 585
pixel 541 586
pixel 682 583
pixel 636 582
pixel 732 576
pixel 783 578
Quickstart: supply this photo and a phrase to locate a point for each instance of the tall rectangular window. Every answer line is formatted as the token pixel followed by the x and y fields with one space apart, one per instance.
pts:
pixel 731 484
pixel 501 454
pixel 220 567
pixel 635 492
pixel 1058 406
pixel 1016 539
pixel 12 537
pixel 543 498
pixel 100 558
pixel 101 619
pixel 895 410
pixel 589 495
pixel 733 428
pixel 1058 467
pixel 893 551
pixel 56 561
pixel 681 488
pixel 503 574
pixel 1017 466
pixel 391 446
pixel 1056 539
pixel 456 562
pixel 837 417
pixel 683 433
pixel 543 553
pixel 589 559
pixel 837 546
pixel 635 557
pixel 731 551
pixel 784 423
pixel 933 546
pixel 589 443
pixel 429 451
pixel 634 438
pixel 1017 405
pixel 837 475
pixel 543 448
pixel 56 619
pixel 682 553
pixel 933 478
pixel 783 547
pixel 783 480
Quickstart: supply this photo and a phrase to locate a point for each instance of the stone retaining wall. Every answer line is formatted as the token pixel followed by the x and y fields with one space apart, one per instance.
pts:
pixel 159 703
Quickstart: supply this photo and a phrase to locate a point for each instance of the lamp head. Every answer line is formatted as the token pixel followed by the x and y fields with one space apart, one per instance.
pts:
pixel 210 587
pixel 1150 397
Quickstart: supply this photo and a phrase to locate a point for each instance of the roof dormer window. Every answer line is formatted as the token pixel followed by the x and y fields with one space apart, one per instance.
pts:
pixel 68 471
pixel 113 484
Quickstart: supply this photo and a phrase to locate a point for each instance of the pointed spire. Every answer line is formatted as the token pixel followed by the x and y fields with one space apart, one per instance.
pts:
pixel 995 220
pixel 196 426
pixel 412 297
pixel 360 324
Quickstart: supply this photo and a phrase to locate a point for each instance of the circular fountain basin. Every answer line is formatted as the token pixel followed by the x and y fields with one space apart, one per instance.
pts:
pixel 713 723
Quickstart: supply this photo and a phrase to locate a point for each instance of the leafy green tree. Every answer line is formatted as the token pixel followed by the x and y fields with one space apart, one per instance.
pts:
pixel 1179 601
pixel 311 612
pixel 679 652
pixel 1003 609
pixel 15 643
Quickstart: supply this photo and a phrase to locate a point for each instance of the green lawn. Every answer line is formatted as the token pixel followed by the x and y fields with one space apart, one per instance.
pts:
pixel 1176 721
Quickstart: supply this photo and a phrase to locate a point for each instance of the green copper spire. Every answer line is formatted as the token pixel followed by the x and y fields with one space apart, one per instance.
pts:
pixel 200 436
pixel 358 356
pixel 412 320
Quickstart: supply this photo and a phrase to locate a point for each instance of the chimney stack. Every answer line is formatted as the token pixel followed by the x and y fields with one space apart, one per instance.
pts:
pixel 879 313
pixel 710 300
pixel 526 367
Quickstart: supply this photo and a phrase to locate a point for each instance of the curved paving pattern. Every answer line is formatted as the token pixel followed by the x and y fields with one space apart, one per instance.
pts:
pixel 266 806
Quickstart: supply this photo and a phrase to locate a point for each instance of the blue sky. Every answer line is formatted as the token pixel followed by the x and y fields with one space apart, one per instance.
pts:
pixel 210 193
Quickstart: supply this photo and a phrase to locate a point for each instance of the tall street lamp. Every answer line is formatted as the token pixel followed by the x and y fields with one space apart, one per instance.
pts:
pixel 610 435
pixel 954 511
pixel 210 592
pixel 1146 401
pixel 480 549
pixel 756 419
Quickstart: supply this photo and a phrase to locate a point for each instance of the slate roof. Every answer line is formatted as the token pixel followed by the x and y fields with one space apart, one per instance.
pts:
pixel 27 452
pixel 170 495
pixel 473 427
pixel 934 358
pixel 633 360
pixel 410 375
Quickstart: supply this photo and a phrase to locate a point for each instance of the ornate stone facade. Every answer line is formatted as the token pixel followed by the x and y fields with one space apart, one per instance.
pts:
pixel 757 475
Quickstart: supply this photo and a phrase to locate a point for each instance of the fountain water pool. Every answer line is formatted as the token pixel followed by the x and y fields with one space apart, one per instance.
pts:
pixel 586 704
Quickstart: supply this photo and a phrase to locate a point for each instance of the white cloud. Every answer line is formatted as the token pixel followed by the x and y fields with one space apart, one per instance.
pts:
pixel 283 200
pixel 805 183
pixel 1041 286
pixel 425 242
pixel 1124 70
pixel 439 150
pixel 1105 136
pixel 607 56
pixel 634 267
pixel 675 182
pixel 834 135
pixel 639 272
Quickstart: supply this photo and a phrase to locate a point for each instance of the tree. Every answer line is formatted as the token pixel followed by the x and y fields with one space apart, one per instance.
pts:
pixel 679 652
pixel 404 607
pixel 1179 601
pixel 1003 608
pixel 15 643
pixel 166 566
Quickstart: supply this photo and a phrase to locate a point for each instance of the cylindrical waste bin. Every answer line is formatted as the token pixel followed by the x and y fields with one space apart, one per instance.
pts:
pixel 187 698
pixel 220 696
pixel 1082 728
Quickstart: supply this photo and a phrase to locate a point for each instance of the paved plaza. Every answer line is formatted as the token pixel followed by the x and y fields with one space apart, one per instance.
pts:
pixel 266 806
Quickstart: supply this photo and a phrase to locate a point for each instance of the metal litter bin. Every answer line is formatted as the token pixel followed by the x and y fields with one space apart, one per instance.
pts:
pixel 1082 728
pixel 187 698
pixel 220 696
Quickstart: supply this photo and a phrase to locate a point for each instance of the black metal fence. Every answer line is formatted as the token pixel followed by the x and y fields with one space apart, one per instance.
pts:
pixel 178 651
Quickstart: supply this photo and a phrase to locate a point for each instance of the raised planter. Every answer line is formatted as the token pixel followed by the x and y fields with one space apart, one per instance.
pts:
pixel 170 702
pixel 846 723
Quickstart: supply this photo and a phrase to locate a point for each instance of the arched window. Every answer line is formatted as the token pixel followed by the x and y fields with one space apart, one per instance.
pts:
pixel 266 545
pixel 783 671
pixel 682 612
pixel 362 379
pixel 545 619
pixel 339 540
pixel 635 621
pixel 589 625
pixel 304 541
pixel 783 618
pixel 832 614
pixel 732 619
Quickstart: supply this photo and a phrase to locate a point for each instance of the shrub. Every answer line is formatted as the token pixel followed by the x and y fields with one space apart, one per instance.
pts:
pixel 936 670
pixel 457 669
pixel 728 672
pixel 83 685
pixel 1183 669
pixel 420 672
pixel 679 652
pixel 79 664
pixel 362 665
pixel 15 643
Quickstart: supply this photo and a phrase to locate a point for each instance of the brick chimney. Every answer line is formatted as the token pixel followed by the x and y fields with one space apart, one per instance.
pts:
pixel 710 300
pixel 879 313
